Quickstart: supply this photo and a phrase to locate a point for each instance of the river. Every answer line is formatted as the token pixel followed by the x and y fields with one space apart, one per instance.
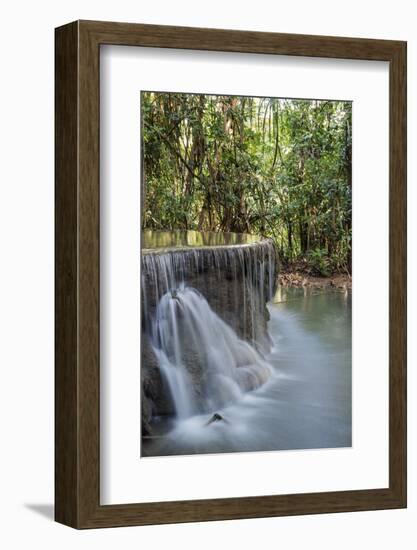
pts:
pixel 305 404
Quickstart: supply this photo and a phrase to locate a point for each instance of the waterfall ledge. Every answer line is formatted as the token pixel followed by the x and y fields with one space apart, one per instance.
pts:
pixel 236 276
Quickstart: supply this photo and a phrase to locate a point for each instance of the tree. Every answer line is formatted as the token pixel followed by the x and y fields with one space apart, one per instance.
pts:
pixel 277 167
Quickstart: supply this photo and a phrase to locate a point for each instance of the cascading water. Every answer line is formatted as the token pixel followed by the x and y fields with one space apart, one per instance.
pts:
pixel 205 364
pixel 204 313
pixel 249 268
pixel 206 316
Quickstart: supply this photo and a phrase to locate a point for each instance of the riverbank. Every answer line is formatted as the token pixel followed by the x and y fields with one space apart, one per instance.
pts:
pixel 300 279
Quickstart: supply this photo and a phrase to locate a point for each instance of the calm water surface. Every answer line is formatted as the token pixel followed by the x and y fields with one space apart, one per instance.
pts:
pixel 307 402
pixel 152 240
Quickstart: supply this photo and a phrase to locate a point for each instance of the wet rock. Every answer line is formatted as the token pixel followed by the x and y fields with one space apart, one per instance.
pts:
pixel 216 418
pixel 155 396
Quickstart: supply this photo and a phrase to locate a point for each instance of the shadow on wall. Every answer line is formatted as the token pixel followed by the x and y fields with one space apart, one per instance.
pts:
pixel 45 510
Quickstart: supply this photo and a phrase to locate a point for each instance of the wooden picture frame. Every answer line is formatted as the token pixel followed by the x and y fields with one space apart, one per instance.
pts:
pixel 77 374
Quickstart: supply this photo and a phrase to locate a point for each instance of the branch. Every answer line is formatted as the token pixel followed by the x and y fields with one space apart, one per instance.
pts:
pixel 174 150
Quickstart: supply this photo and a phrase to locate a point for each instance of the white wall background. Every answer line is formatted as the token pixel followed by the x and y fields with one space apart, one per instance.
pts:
pixel 26 272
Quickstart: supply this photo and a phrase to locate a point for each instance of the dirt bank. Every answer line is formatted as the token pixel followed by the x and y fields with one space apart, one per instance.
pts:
pixel 302 279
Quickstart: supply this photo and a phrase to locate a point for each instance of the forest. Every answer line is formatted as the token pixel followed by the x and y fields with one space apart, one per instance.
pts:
pixel 275 167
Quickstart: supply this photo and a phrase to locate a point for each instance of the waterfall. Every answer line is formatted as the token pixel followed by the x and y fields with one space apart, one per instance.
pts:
pixel 207 267
pixel 204 313
pixel 205 364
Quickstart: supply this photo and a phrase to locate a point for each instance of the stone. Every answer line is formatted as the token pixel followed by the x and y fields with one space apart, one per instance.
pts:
pixel 216 418
pixel 236 281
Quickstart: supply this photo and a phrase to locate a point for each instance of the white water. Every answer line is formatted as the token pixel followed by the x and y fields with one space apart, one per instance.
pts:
pixel 168 269
pixel 305 404
pixel 297 397
pixel 204 364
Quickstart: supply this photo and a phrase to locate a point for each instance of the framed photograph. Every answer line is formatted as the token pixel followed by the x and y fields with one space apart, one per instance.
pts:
pixel 230 274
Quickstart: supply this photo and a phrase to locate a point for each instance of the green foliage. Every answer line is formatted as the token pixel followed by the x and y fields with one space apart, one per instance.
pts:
pixel 276 167
pixel 319 262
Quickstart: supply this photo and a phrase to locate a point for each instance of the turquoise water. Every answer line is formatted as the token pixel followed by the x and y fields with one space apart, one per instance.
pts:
pixel 306 404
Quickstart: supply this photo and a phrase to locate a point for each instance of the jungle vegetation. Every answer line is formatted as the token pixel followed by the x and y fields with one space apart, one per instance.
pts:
pixel 275 167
